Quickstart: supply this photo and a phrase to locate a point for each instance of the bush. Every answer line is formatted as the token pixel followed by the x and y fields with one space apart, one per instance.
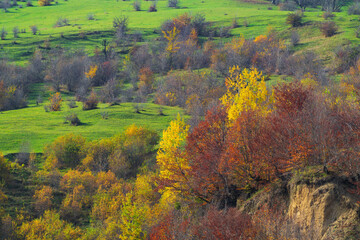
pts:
pixel 121 24
pixel 294 19
pixel 61 22
pixel 73 119
pixel 3 33
pixel 328 29
pixel 137 5
pixel 173 3
pixel 16 32
pixel 55 102
pixel 44 2
pixel 29 3
pixel 153 7
pixel 294 38
pixel 72 104
pixel 354 9
pixel 68 150
pixel 34 29
pixel 91 102
pixel 91 16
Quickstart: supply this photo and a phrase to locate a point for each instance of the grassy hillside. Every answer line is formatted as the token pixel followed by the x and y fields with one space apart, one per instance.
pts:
pixel 35 126
pixel 258 17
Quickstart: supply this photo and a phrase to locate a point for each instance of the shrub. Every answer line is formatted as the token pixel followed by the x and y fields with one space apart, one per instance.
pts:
pixel 354 9
pixel 55 102
pixel 73 119
pixel 3 33
pixel 294 19
pixel 328 29
pixel 173 3
pixel 153 7
pixel 137 5
pixel 34 29
pixel 44 2
pixel 72 104
pixel 294 38
pixel 91 16
pixel 16 32
pixel 327 15
pixel 68 150
pixel 91 102
pixel 121 24
pixel 29 3
pixel 43 199
pixel 61 22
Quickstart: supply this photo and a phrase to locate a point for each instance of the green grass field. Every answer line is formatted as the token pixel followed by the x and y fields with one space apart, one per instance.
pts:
pixel 38 127
pixel 258 16
pixel 35 126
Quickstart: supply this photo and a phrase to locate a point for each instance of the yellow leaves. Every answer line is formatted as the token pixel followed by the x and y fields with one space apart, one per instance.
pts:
pixel 132 219
pixel 171 97
pixel 172 162
pixel 55 102
pixel 172 36
pixel 236 44
pixel 44 2
pixel 92 72
pixel 246 90
pixel 260 38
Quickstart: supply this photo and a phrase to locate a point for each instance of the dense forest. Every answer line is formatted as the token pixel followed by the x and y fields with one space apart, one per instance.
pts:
pixel 223 136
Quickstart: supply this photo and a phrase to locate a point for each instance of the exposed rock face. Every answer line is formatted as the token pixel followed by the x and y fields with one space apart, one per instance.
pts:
pixel 322 208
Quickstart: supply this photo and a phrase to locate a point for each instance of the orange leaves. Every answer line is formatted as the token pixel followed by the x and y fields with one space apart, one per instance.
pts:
pixel 55 102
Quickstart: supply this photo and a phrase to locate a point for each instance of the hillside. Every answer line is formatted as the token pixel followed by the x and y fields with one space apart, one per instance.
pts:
pixel 179 119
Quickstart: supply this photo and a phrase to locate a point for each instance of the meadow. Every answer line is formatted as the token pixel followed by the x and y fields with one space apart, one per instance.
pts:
pixel 82 33
pixel 34 125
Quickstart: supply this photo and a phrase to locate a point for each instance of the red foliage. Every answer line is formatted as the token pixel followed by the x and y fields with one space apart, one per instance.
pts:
pixel 170 227
pixel 225 225
pixel 205 147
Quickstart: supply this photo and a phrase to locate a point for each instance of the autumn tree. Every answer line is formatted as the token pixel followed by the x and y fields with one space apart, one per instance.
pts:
pixel 49 226
pixel 44 2
pixel 173 164
pixel 66 151
pixel 43 199
pixel 55 102
pixel 246 90
pixel 6 93
pixel 209 174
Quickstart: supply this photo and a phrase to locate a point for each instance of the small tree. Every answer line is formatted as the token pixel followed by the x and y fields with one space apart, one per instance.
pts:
pixel 328 29
pixel 44 2
pixel 16 32
pixel 137 5
pixel 153 7
pixel 43 199
pixel 294 19
pixel 55 102
pixel 91 102
pixel 34 29
pixel 3 33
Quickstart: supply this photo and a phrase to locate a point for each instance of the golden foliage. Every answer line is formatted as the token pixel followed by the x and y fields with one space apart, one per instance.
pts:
pixel 172 36
pixel 246 90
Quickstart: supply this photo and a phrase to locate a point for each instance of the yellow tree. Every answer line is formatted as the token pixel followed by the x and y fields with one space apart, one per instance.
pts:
pixel 172 36
pixel 171 160
pixel 246 90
